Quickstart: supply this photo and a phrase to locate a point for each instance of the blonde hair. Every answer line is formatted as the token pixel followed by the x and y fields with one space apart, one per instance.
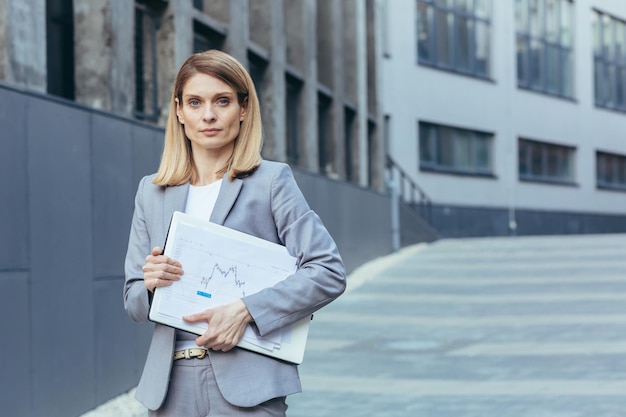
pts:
pixel 177 166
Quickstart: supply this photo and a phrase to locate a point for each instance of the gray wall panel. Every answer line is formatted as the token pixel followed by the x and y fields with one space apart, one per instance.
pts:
pixel 63 347
pixel 14 191
pixel 112 173
pixel 147 145
pixel 60 191
pixel 115 341
pixel 61 261
pixel 361 235
pixel 15 378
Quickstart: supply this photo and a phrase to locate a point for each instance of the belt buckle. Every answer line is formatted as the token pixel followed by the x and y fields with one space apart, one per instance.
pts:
pixel 202 354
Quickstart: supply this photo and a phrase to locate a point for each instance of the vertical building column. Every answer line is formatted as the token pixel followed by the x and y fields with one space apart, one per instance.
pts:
pixel 362 115
pixel 338 129
pixel 373 47
pixel 4 73
pixel 275 91
pixel 239 31
pixel 309 133
pixel 181 12
pixel 93 47
pixel 122 77
pixel 23 43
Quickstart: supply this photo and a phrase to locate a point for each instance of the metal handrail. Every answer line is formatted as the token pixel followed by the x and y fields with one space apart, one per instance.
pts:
pixel 423 203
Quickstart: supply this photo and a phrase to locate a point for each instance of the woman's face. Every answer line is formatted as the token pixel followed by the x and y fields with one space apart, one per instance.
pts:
pixel 211 115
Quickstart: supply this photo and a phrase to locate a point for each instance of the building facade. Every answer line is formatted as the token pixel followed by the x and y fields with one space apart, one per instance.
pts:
pixel 313 64
pixel 509 115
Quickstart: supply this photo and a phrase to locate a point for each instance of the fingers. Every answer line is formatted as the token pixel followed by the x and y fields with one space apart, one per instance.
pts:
pixel 205 315
pixel 227 324
pixel 160 270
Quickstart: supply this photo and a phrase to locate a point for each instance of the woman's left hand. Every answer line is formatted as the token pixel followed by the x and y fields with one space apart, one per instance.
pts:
pixel 226 325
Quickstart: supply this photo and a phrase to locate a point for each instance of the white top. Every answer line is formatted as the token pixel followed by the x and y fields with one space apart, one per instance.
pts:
pixel 200 203
pixel 201 199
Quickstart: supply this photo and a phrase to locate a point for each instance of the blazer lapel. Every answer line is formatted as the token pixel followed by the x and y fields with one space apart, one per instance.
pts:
pixel 229 192
pixel 175 200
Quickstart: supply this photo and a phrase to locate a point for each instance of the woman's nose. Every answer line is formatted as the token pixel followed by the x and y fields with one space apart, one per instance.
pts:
pixel 209 114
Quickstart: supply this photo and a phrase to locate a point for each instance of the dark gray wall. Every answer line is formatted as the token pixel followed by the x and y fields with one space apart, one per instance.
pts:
pixel 458 221
pixel 69 177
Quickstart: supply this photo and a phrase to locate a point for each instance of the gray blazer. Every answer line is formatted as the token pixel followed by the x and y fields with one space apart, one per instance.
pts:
pixel 267 204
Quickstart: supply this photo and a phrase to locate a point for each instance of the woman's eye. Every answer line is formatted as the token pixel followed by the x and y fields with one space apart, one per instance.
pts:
pixel 194 102
pixel 223 102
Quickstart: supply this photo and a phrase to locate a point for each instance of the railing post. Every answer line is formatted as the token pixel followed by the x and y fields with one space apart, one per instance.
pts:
pixel 395 216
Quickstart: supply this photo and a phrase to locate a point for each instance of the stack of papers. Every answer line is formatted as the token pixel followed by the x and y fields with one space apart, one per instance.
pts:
pixel 220 266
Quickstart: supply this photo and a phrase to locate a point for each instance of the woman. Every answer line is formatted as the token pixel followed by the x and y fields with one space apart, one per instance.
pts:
pixel 211 167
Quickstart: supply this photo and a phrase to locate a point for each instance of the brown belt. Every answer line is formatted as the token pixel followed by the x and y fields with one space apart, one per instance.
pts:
pixel 198 353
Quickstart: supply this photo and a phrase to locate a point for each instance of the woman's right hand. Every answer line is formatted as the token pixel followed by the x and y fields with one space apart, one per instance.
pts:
pixel 160 270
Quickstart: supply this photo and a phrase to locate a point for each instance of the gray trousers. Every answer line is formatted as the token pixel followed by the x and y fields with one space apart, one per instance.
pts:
pixel 193 392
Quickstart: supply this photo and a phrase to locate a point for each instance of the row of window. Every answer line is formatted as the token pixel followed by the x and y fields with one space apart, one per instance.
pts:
pixel 455 35
pixel 462 151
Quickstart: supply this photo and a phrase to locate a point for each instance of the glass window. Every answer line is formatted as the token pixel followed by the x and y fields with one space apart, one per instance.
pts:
pixel 482 151
pixel 610 171
pixel 545 162
pixel 60 48
pixel 522 59
pixel 455 35
pixel 444 41
pixel 609 55
pixel 544 45
pixel 205 38
pixel 463 32
pixel 482 56
pixel 324 144
pixel 292 119
pixel 146 64
pixel 424 30
pixel 453 150
pixel 349 121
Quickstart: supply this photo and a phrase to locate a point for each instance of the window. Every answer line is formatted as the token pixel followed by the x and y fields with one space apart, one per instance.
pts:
pixel 349 121
pixel 60 48
pixel 455 35
pixel 545 162
pixel 294 87
pixel 205 38
pixel 146 83
pixel 610 171
pixel 323 130
pixel 371 151
pixel 609 58
pixel 257 66
pixel 454 150
pixel 545 46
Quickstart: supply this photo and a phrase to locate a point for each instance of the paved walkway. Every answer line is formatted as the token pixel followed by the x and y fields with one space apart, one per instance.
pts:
pixel 494 327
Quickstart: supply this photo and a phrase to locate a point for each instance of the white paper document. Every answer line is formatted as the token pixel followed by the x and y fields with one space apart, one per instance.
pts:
pixel 220 266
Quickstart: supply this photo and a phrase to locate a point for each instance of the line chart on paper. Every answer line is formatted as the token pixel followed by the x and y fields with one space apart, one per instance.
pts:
pixel 215 273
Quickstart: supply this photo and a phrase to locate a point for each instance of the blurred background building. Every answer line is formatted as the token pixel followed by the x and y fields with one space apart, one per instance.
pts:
pixel 510 115
pixel 313 64
pixel 485 117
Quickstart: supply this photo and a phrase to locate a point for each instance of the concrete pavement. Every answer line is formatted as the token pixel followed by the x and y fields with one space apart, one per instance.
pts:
pixel 490 327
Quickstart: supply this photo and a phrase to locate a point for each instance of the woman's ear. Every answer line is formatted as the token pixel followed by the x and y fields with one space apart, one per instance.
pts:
pixel 179 112
pixel 244 109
